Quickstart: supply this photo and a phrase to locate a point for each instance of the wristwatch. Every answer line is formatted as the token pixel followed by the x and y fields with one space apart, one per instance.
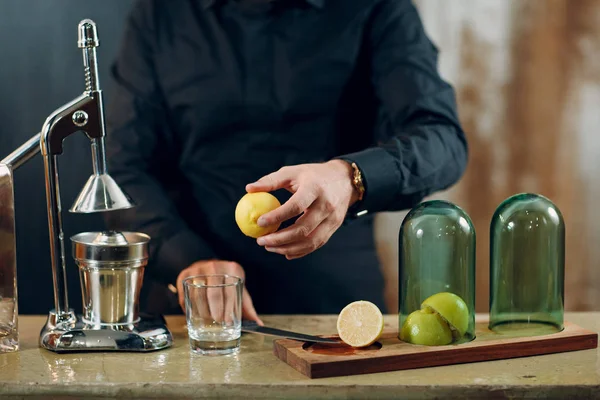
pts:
pixel 357 181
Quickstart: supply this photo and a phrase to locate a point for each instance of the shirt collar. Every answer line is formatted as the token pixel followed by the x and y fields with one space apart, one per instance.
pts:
pixel 315 3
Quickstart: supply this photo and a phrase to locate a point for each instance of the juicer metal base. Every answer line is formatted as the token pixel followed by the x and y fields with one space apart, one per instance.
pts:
pixel 71 334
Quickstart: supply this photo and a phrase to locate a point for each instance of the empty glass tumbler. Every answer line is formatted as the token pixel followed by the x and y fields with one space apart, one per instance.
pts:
pixel 9 335
pixel 527 266
pixel 213 308
pixel 437 275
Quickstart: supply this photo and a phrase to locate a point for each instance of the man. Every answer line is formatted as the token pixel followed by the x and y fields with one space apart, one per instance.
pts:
pixel 335 106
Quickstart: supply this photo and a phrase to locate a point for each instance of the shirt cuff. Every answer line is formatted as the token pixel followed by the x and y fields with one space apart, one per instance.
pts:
pixel 379 174
pixel 179 252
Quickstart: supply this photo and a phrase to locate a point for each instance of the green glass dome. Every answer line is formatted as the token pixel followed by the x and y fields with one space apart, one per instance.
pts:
pixel 527 266
pixel 437 257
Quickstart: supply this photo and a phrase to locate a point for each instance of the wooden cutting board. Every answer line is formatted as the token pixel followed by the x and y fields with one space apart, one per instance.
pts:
pixel 391 354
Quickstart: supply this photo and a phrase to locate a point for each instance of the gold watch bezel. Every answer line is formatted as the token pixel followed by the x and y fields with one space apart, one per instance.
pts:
pixel 357 181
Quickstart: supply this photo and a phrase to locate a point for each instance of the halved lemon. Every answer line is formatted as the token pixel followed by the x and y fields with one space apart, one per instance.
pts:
pixel 360 324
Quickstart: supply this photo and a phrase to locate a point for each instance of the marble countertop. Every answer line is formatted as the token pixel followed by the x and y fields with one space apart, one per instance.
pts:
pixel 255 372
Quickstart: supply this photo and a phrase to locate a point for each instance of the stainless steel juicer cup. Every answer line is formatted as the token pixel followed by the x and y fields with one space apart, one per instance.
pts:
pixel 111 266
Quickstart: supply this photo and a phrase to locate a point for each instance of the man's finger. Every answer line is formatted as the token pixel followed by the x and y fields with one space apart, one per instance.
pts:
pixel 199 305
pixel 180 293
pixel 317 239
pixel 296 205
pixel 298 248
pixel 230 295
pixel 273 181
pixel 216 302
pixel 232 307
pixel 231 292
pixel 328 229
pixel 248 311
pixel 234 269
pixel 304 226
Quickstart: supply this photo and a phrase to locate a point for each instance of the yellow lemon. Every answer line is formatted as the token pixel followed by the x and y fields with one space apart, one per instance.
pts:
pixel 360 324
pixel 451 308
pixel 426 328
pixel 250 207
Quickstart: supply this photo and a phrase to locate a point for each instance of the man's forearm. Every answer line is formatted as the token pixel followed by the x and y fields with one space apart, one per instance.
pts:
pixel 423 148
pixel 401 172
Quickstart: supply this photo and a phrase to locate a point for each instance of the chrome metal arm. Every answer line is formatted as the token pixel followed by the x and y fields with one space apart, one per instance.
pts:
pixel 23 154
pixel 59 125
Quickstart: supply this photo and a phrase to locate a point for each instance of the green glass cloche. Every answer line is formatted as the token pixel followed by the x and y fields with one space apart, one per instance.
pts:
pixel 527 266
pixel 437 275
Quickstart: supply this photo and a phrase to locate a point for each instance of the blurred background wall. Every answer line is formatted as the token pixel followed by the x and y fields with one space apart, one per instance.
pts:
pixel 527 74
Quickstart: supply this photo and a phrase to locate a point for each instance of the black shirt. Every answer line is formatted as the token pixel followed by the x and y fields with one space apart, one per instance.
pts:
pixel 213 94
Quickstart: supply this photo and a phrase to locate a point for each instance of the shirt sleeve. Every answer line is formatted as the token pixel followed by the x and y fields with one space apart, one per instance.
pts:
pixel 137 144
pixel 421 145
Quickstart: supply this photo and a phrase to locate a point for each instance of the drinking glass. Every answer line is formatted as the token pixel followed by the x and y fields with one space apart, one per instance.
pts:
pixel 9 335
pixel 213 308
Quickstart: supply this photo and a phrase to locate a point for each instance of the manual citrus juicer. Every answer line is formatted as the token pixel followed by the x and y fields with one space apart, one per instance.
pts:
pixel 111 264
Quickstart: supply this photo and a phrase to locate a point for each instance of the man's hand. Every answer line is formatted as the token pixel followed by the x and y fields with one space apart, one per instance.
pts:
pixel 322 193
pixel 218 267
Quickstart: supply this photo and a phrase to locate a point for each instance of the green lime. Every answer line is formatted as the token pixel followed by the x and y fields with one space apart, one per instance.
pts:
pixel 451 308
pixel 426 328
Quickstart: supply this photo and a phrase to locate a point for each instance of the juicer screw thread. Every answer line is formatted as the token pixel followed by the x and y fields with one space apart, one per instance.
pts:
pixel 88 79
